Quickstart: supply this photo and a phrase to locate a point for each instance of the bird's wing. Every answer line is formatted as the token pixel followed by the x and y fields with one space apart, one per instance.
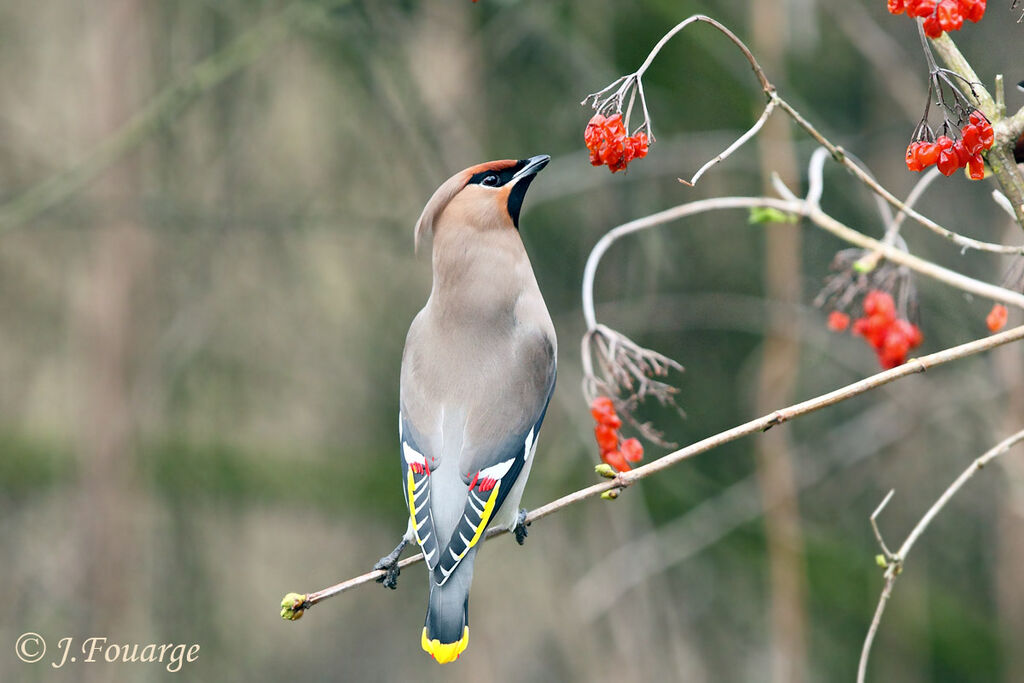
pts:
pixel 416 490
pixel 504 437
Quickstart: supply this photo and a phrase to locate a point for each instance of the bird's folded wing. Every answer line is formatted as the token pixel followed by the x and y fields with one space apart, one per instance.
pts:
pixel 416 485
pixel 489 487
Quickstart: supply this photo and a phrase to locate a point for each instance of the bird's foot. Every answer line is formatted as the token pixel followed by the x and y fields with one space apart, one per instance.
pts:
pixel 389 563
pixel 520 528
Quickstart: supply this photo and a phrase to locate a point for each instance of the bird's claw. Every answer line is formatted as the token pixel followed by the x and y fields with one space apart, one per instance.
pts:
pixel 391 572
pixel 520 528
pixel 389 564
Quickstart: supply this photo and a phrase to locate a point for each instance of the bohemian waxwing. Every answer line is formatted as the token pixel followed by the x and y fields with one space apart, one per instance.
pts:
pixel 477 374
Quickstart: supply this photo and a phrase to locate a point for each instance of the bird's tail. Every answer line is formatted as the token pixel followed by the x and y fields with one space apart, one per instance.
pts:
pixel 446 628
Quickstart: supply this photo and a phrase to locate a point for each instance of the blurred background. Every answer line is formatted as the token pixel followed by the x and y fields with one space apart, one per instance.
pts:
pixel 206 275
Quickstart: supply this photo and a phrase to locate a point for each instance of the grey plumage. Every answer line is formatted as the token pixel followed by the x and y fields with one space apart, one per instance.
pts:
pixel 477 374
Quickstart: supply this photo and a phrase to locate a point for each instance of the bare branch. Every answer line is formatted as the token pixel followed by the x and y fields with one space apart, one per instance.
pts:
pixel 613 96
pixel 625 479
pixel 874 523
pixel 895 561
pixel 999 157
pixel 865 177
pixel 800 207
pixel 733 147
pixel 945 47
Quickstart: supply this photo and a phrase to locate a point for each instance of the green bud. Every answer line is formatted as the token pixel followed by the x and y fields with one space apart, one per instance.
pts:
pixel 605 470
pixel 881 561
pixel 611 494
pixel 767 214
pixel 292 606
pixel 864 265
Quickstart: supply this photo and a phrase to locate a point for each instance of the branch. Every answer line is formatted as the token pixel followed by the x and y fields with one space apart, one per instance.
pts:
pixel 623 85
pixel 805 208
pixel 894 561
pixel 1000 157
pixel 294 605
pixel 614 95
pixel 839 154
pixel 605 582
pixel 734 146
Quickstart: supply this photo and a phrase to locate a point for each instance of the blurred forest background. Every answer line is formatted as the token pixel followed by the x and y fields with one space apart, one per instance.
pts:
pixel 202 314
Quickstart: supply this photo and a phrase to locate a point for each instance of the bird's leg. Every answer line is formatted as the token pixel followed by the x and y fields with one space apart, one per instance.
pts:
pixel 389 563
pixel 520 527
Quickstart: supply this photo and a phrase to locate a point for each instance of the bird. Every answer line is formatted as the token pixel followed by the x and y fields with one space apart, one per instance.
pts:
pixel 477 374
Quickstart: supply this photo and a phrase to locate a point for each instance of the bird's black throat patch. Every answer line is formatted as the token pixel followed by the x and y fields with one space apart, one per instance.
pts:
pixel 516 197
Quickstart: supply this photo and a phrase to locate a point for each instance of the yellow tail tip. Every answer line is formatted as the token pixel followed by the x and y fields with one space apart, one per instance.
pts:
pixel 444 652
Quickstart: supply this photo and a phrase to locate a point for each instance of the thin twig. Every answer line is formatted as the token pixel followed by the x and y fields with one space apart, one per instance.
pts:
pixel 865 177
pixel 895 561
pixel 946 49
pixel 874 523
pixel 734 146
pixel 1003 203
pixel 763 423
pixel 633 83
pixel 800 207
pixel 605 582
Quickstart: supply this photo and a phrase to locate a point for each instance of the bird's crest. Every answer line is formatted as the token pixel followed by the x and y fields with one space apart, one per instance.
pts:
pixel 444 194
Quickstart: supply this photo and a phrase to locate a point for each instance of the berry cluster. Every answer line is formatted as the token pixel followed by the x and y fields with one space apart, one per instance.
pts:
pixel 605 137
pixel 940 15
pixel 614 451
pixel 949 155
pixel 889 335
pixel 996 318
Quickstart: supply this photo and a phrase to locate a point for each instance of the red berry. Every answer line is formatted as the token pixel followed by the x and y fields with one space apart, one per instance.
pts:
pixel 972 138
pixel 602 408
pixel 838 321
pixel 637 146
pixel 921 8
pixel 896 6
pixel 876 329
pixel 948 162
pixel 962 155
pixel 616 460
pixel 976 167
pixel 931 26
pixel 877 301
pixel 607 438
pixel 913 159
pixel 632 450
pixel 973 10
pixel 988 135
pixel 996 318
pixel 908 331
pixel 894 349
pixel 927 153
pixel 948 15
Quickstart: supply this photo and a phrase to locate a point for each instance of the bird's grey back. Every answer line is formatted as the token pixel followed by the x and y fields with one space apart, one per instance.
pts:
pixel 478 366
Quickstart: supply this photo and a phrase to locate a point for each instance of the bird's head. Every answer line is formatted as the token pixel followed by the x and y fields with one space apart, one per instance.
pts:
pixel 486 196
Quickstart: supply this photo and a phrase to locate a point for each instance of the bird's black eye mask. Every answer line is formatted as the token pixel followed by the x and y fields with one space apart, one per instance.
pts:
pixel 496 178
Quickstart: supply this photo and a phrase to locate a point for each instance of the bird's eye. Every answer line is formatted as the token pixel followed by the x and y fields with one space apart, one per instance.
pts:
pixel 490 180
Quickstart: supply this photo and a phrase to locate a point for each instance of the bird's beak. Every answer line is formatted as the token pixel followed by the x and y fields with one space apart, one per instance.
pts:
pixel 533 166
